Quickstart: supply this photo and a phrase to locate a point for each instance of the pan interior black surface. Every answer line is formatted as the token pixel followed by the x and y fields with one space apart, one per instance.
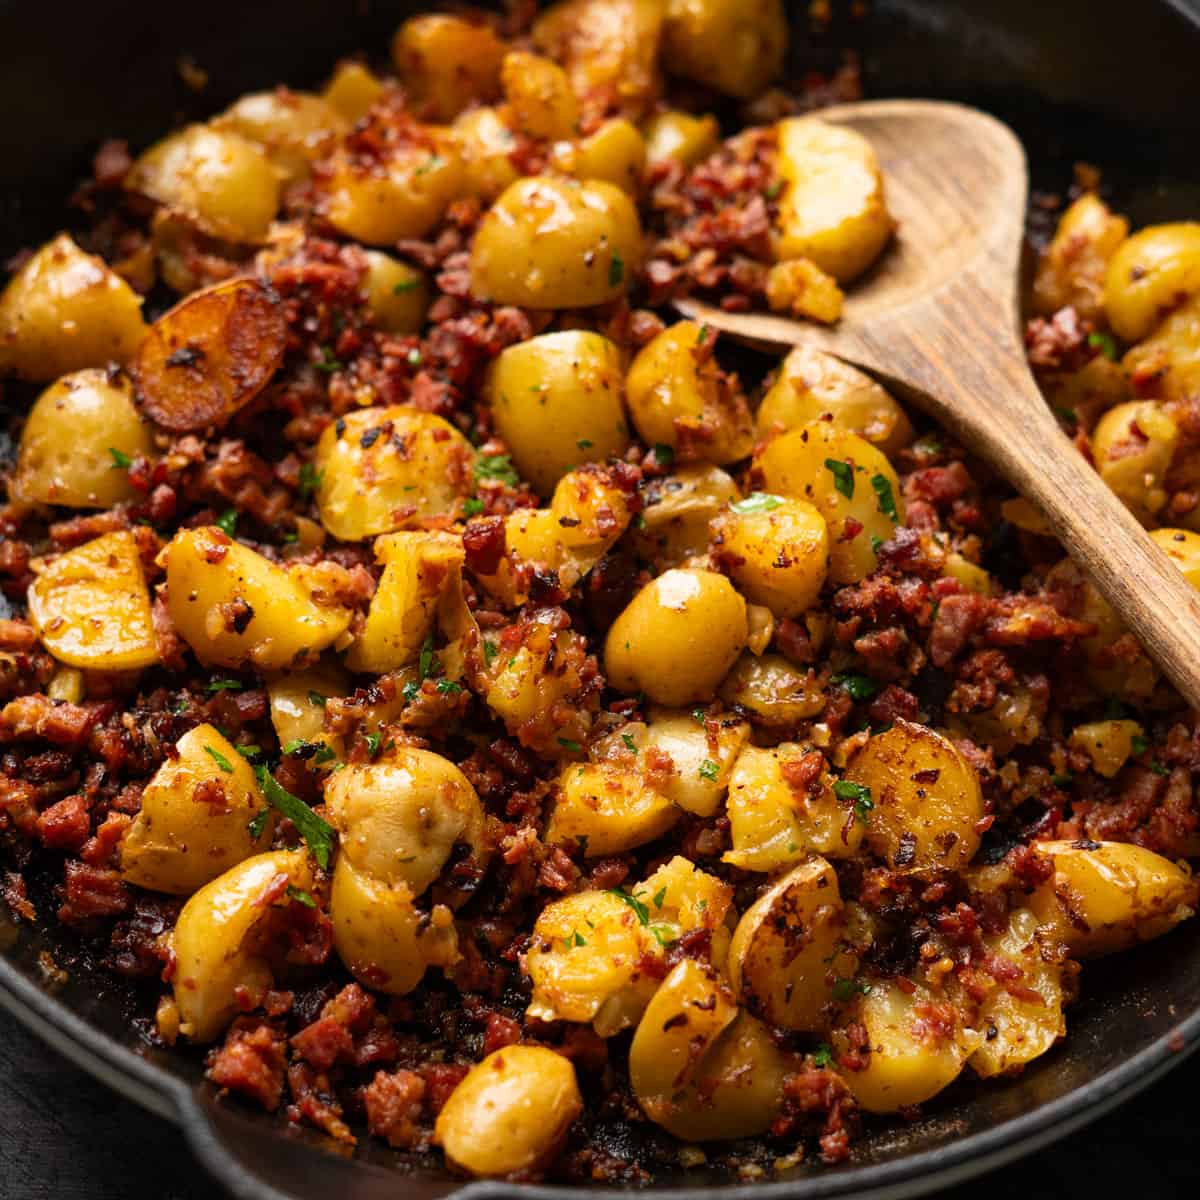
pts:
pixel 1078 79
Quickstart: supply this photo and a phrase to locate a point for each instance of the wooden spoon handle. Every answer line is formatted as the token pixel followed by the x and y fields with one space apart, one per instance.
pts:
pixel 1021 439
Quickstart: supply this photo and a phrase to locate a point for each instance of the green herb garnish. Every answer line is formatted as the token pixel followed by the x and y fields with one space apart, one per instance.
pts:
pixel 498 467
pixel 843 476
pixel 120 460
pixel 709 770
pixel 228 520
pixel 887 502
pixel 220 759
pixel 859 687
pixel 300 896
pixel 756 503
pixel 316 831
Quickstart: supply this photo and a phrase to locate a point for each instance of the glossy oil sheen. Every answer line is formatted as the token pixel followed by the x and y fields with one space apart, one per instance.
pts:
pixel 1077 79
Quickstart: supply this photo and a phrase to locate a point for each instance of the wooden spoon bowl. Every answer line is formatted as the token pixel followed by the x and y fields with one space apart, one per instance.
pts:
pixel 937 319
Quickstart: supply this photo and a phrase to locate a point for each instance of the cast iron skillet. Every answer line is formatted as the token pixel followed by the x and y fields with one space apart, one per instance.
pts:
pixel 1079 79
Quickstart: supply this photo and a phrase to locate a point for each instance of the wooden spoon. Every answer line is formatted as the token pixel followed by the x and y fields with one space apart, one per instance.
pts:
pixel 938 320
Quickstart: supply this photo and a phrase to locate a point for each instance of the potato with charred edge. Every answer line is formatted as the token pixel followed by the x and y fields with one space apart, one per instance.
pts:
pixel 772 691
pixel 812 385
pixel 906 1065
pixel 679 397
pixel 700 1068
pixel 417 568
pixel 851 483
pixel 380 469
pixel 677 638
pixel 557 400
pixel 923 801
pixel 65 310
pixel 195 817
pixel 511 1113
pixel 678 509
pixel 789 949
pixel 556 243
pixel 215 179
pixel 735 46
pixel 447 62
pixel 217 963
pixel 1108 896
pixel 210 355
pixel 832 208
pixel 783 806
pixel 79 438
pixel 91 607
pixel 233 606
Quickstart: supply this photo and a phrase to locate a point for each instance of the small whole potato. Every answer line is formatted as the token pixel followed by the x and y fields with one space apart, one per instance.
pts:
pixel 615 153
pixel 557 401
pixel 1182 547
pixel 218 968
pixel 91 607
pixel 293 129
pixel 216 179
pixel 1149 274
pixel 924 799
pixel 680 136
pixel 788 950
pixel 1166 362
pixel 609 48
pixel 380 469
pixel 233 606
pixel 679 397
pixel 397 294
pixel 556 243
pixel 1108 896
pixel 736 46
pixel 832 208
pixel 400 817
pixel 65 310
pixel 195 817
pixel 677 637
pixel 850 482
pixel 541 103
pixel 608 809
pixel 812 385
pixel 448 62
pixel 1132 446
pixel 352 90
pixel 775 549
pixel 402 195
pixel 487 145
pixel 511 1113
pixel 79 438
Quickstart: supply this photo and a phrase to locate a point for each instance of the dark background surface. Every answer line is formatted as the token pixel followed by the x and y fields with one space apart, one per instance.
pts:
pixel 65 1136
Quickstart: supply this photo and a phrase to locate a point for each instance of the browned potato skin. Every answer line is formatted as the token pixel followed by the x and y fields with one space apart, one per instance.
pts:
pixel 448 62
pixel 926 798
pixel 736 46
pixel 1073 267
pixel 608 47
pixel 210 355
pixel 511 1113
pixel 65 310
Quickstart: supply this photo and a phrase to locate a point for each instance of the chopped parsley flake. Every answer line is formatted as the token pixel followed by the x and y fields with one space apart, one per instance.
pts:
pixel 858 687
pixel 822 1056
pixel 317 699
pixel 843 476
pixel 225 685
pixel 258 823
pixel 120 460
pixel 406 285
pixel 373 740
pixel 709 770
pixel 660 897
pixel 1160 768
pixel 1104 343
pixel 569 744
pixel 639 909
pixel 616 270
pixel 663 935
pixel 585 443
pixel 328 363
pixel 228 520
pixel 882 487
pixel 472 506
pixel 756 503
pixel 309 480
pixel 411 691
pixel 220 759
pixel 1139 744
pixel 490 650
pixel 498 467
pixel 448 687
pixel 316 831
pixel 664 453
pixel 248 751
pixel 630 744
pixel 844 789
pixel 699 716
pixel 301 896
pixel 843 989
pixel 425 662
